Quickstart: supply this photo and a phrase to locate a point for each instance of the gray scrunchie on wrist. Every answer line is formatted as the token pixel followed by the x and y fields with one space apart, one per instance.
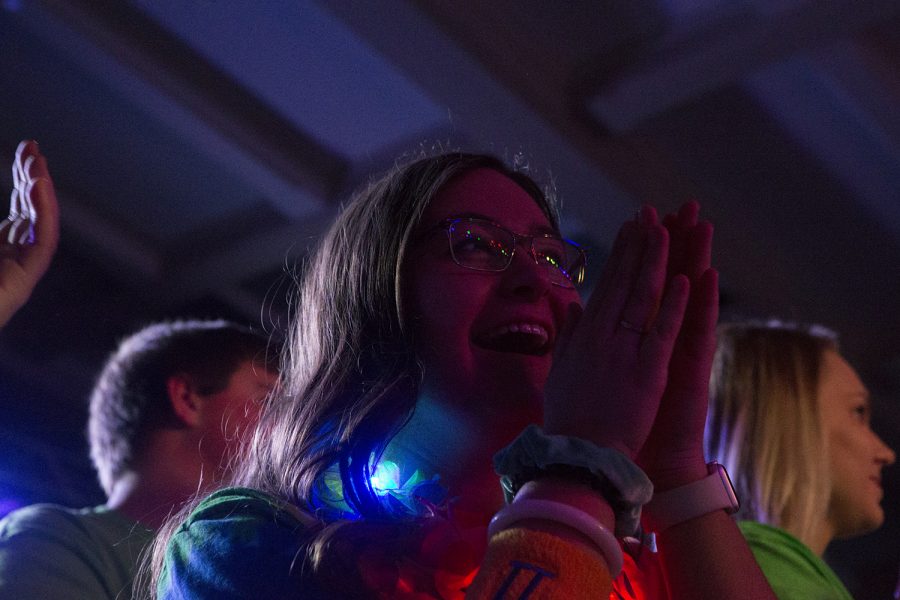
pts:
pixel 534 454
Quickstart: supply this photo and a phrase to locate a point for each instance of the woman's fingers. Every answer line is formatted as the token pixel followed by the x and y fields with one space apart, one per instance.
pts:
pixel 621 344
pixel 640 306
pixel 680 226
pixel 684 242
pixel 688 214
pixel 620 279
pixel 644 256
pixel 695 251
pixel 635 276
pixel 616 254
pixel 676 439
pixel 702 313
pixel 658 343
pixel 625 255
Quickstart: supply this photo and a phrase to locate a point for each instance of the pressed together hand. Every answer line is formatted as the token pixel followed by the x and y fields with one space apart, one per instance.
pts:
pixel 673 454
pixel 631 368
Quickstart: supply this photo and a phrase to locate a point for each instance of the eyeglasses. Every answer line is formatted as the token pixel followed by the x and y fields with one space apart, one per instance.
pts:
pixel 483 246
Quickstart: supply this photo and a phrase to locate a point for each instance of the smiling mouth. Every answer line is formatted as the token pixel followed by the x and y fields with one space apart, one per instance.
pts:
pixel 517 338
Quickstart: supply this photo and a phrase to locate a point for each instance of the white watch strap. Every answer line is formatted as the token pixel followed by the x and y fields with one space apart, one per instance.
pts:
pixel 713 492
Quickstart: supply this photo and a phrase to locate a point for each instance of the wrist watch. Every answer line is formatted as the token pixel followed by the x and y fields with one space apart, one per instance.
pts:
pixel 713 492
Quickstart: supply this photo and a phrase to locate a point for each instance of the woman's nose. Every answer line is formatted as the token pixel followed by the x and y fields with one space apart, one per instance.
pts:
pixel 525 278
pixel 886 454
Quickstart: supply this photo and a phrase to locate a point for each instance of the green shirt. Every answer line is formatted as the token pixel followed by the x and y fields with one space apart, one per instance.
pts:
pixel 240 543
pixel 51 552
pixel 793 571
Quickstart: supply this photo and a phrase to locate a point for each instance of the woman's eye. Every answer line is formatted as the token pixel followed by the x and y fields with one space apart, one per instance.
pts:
pixel 475 245
pixel 468 245
pixel 861 413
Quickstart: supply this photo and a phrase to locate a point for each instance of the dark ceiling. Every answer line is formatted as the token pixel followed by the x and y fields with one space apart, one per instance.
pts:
pixel 200 147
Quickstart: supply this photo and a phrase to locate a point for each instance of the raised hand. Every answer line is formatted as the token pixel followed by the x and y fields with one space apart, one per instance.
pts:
pixel 611 359
pixel 673 453
pixel 25 253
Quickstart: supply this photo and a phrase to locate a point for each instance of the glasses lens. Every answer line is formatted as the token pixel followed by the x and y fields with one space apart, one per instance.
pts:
pixel 563 259
pixel 480 246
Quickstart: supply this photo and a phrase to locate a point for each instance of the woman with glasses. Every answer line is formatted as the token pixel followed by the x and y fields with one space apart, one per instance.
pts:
pixel 439 341
pixel 790 419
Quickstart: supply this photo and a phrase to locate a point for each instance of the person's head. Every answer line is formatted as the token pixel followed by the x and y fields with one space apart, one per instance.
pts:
pixel 485 336
pixel 206 377
pixel 789 418
pixel 386 316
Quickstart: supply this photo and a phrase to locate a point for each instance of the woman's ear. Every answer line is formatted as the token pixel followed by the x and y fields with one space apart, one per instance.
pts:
pixel 185 401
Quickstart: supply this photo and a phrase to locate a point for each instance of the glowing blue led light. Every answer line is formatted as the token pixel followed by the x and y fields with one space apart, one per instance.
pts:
pixel 386 477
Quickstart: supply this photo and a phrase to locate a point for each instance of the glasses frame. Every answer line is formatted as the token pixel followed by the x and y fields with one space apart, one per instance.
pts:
pixel 449 223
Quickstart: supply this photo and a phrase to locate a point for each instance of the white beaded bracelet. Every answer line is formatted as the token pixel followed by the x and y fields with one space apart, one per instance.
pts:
pixel 559 512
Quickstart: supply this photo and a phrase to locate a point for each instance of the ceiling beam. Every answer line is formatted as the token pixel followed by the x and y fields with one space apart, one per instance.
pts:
pixel 173 66
pixel 673 73
pixel 170 80
pixel 486 113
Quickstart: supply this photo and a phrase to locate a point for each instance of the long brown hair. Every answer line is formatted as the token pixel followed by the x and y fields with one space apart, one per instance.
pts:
pixel 349 375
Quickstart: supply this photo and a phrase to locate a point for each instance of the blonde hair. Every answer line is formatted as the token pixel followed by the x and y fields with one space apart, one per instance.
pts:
pixel 764 425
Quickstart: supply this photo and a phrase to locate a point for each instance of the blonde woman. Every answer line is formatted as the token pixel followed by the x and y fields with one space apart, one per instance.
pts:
pixel 790 420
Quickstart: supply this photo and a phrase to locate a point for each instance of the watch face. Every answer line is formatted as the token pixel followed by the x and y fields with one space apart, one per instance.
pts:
pixel 726 484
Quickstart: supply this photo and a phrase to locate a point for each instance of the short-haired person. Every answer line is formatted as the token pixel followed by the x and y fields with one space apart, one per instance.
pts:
pixel 439 324
pixel 166 416
pixel 789 418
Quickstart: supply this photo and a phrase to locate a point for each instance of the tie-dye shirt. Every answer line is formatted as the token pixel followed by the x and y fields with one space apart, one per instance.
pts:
pixel 242 543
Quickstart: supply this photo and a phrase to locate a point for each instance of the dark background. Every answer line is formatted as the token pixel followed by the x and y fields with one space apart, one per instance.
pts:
pixel 200 147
